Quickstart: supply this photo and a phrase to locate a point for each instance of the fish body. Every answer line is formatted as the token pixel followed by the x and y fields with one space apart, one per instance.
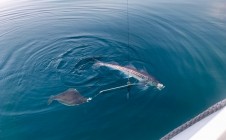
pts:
pixel 141 77
pixel 70 97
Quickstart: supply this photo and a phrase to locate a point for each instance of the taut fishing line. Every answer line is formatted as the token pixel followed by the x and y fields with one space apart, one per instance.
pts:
pixel 128 84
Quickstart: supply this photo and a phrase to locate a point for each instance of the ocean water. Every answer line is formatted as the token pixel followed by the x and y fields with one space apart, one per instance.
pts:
pixel 44 50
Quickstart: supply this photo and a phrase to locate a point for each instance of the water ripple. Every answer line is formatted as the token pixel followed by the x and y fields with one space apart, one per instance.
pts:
pixel 47 47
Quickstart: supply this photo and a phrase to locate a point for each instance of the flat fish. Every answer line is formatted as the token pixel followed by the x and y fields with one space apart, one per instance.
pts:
pixel 70 97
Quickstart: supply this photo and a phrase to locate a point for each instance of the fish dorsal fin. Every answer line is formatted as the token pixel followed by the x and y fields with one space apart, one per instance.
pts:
pixel 113 62
pixel 144 72
pixel 130 66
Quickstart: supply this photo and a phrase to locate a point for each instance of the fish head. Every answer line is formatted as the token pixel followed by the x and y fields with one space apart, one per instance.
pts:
pixel 152 82
pixel 160 86
pixel 89 99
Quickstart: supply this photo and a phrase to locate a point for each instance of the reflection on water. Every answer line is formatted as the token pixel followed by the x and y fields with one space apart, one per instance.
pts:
pixel 180 43
pixel 218 10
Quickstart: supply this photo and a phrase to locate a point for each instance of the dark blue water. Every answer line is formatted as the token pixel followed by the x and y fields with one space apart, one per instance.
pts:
pixel 180 43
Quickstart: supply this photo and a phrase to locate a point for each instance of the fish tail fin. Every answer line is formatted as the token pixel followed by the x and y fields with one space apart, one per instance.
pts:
pixel 92 59
pixel 51 98
pixel 97 64
pixel 96 60
pixel 83 62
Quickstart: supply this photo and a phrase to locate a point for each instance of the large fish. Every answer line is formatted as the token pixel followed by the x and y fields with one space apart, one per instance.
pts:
pixel 69 97
pixel 131 72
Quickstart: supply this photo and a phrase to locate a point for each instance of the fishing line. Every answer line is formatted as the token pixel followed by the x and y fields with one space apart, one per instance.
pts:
pixel 128 25
pixel 128 84
pixel 128 44
pixel 115 88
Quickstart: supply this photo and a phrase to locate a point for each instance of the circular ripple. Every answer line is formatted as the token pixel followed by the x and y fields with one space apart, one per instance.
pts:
pixel 61 63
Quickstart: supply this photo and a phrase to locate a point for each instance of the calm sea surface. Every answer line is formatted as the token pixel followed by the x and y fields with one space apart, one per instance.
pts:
pixel 44 50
